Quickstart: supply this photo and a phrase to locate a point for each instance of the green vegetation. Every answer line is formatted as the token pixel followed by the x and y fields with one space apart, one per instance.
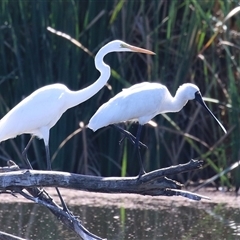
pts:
pixel 193 42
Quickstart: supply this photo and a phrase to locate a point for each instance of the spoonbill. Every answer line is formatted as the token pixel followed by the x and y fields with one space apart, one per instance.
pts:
pixel 40 111
pixel 143 101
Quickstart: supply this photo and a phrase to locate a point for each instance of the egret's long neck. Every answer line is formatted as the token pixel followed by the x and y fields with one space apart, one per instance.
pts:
pixel 86 93
pixel 178 101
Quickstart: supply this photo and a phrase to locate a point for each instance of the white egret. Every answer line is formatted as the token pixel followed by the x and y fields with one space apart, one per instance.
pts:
pixel 39 112
pixel 141 102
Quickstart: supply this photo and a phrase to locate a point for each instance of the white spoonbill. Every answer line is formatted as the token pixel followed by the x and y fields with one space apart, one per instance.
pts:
pixel 141 102
pixel 39 112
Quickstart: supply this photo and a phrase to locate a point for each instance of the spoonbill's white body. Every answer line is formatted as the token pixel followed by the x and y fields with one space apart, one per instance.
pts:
pixel 40 111
pixel 142 102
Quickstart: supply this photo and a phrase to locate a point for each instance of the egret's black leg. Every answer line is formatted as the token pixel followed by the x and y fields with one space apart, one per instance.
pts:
pixel 142 171
pixel 65 208
pixel 129 136
pixel 24 153
pixel 48 158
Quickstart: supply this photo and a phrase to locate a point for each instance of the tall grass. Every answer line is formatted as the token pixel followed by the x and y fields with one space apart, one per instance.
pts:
pixel 187 38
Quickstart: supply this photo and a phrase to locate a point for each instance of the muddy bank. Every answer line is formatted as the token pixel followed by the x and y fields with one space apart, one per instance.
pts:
pixel 73 197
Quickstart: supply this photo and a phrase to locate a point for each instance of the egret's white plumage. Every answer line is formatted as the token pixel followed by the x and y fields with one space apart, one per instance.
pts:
pixel 40 111
pixel 141 103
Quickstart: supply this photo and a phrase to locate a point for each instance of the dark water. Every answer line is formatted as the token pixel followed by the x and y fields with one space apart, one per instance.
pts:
pixel 31 221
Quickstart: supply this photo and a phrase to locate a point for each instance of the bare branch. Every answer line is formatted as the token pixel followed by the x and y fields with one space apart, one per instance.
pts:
pixel 154 183
pixel 26 182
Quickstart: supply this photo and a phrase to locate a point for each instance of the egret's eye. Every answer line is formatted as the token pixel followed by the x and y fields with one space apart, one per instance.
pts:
pixel 122 45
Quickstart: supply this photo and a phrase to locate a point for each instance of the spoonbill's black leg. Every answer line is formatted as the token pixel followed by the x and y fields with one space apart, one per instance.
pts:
pixel 129 136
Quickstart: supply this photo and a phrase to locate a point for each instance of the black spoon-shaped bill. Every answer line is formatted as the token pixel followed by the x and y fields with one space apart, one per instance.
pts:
pixel 198 98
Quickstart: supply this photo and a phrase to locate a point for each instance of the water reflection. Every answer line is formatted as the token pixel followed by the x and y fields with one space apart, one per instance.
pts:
pixel 30 221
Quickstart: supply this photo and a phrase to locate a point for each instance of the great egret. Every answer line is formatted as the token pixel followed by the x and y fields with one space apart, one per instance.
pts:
pixel 39 112
pixel 141 103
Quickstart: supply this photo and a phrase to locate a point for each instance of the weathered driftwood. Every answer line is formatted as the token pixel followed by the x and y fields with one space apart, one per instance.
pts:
pixel 26 182
pixel 154 183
